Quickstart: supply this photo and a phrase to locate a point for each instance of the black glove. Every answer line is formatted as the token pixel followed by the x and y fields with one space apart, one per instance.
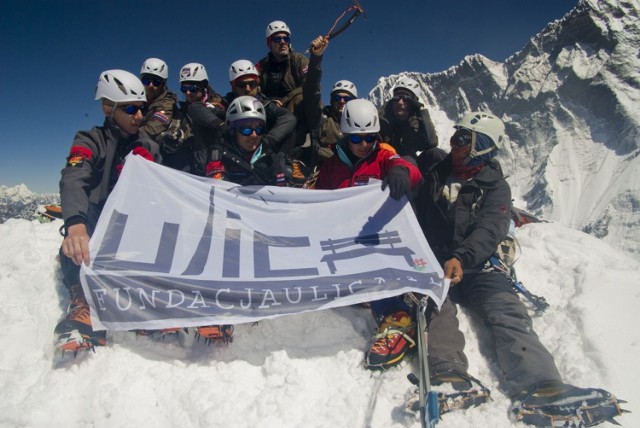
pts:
pixel 171 142
pixel 414 105
pixel 397 180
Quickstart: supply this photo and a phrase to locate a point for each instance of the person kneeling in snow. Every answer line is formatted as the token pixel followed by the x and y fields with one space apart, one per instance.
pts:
pixel 92 170
pixel 464 211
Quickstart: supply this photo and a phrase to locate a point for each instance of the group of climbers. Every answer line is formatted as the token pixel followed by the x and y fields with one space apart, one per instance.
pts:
pixel 271 128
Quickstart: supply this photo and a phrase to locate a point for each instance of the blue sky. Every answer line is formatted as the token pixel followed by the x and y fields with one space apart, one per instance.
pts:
pixel 51 53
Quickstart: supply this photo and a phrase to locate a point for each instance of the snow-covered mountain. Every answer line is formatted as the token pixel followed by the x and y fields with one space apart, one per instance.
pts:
pixel 20 202
pixel 571 102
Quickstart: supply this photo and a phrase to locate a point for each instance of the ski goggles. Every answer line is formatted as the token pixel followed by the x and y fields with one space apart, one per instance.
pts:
pixel 190 88
pixel 252 84
pixel 247 130
pixel 133 109
pixel 279 39
pixel 368 138
pixel 337 98
pixel 146 81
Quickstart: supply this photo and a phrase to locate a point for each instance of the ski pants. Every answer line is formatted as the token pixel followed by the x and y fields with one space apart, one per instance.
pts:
pixel 522 358
pixel 445 340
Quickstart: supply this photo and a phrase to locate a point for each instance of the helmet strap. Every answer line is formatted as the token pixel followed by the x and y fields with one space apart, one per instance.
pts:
pixel 475 153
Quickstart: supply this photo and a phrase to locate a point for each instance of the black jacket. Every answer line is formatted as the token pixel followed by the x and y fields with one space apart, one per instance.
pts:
pixel 280 122
pixel 471 228
pixel 230 163
pixel 415 134
pixel 93 166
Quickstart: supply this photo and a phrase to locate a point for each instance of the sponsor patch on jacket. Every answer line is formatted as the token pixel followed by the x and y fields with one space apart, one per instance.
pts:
pixel 160 116
pixel 362 180
pixel 77 156
pixel 215 169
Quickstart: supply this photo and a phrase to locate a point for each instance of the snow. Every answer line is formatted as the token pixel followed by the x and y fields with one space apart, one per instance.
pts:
pixel 300 370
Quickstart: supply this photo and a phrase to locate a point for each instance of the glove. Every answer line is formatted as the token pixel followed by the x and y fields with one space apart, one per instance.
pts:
pixel 397 180
pixel 414 105
pixel 141 151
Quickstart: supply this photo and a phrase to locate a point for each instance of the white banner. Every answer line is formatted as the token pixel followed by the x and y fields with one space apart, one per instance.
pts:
pixel 175 250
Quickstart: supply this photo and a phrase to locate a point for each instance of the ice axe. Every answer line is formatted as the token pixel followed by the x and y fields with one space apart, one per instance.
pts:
pixel 333 31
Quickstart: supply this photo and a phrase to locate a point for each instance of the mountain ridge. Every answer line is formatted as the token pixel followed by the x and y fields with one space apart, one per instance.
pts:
pixel 569 101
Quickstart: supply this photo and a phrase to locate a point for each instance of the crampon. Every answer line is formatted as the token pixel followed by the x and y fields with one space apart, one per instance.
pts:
pixel 578 408
pixel 215 333
pixel 448 401
pixel 162 333
pixel 74 341
pixel 75 333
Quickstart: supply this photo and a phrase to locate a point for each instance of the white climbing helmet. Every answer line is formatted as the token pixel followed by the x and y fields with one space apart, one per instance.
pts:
pixel 155 66
pixel 359 116
pixel 277 27
pixel 484 123
pixel 410 85
pixel 346 86
pixel 193 72
pixel 242 67
pixel 120 86
pixel 245 107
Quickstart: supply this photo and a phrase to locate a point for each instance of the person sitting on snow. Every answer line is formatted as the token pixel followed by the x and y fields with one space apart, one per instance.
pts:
pixel 282 71
pixel 244 158
pixel 322 123
pixel 405 122
pixel 327 133
pixel 92 170
pixel 198 122
pixel 160 100
pixel 359 156
pixel 245 81
pixel 463 208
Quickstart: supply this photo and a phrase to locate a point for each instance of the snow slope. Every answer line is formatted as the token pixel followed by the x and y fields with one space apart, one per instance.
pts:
pixel 301 370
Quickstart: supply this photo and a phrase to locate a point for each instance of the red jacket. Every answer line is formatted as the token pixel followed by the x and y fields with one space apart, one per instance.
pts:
pixel 336 174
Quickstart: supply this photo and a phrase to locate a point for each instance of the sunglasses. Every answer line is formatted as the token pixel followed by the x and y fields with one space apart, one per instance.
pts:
pixel 403 97
pixel 247 130
pixel 190 88
pixel 132 109
pixel 252 84
pixel 279 39
pixel 357 139
pixel 345 98
pixel 461 138
pixel 146 81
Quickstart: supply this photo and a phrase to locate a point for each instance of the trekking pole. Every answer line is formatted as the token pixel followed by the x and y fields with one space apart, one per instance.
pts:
pixel 428 399
pixel 333 31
